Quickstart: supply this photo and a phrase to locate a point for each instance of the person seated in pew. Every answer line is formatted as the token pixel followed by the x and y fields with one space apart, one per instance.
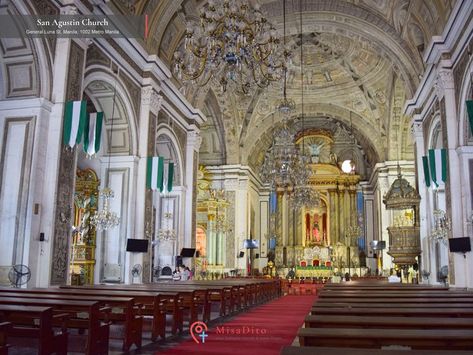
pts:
pixel 393 278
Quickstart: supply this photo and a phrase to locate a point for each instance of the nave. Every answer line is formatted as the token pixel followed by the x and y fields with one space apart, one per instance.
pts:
pixel 170 166
pixel 224 317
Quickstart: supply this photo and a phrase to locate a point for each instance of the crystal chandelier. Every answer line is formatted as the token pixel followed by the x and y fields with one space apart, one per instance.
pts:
pixel 284 167
pixel 105 218
pixel 235 45
pixel 442 226
pixel 303 196
pixel 282 164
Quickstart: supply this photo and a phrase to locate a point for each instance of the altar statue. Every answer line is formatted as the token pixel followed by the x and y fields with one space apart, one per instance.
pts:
pixel 315 150
pixel 315 228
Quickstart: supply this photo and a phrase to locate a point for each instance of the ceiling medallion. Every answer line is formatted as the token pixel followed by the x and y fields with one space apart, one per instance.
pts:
pixel 234 46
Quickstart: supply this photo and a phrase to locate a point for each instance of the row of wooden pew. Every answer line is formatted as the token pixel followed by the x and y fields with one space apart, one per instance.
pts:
pixel 375 316
pixel 51 314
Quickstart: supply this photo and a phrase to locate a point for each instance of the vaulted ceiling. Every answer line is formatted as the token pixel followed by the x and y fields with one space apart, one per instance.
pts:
pixel 362 60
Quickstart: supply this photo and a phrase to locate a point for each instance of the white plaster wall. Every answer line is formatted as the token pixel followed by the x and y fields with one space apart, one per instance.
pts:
pixel 111 244
pixel 20 209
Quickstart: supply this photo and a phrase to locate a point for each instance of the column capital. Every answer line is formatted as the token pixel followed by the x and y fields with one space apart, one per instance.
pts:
pixel 416 129
pixel 444 81
pixel 69 10
pixel 194 139
pixel 150 97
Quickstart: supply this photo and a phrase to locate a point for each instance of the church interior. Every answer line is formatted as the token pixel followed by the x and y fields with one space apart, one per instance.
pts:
pixel 179 169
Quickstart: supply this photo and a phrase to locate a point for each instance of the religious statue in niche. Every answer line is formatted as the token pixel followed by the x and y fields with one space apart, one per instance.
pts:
pixel 319 146
pixel 316 226
pixel 315 152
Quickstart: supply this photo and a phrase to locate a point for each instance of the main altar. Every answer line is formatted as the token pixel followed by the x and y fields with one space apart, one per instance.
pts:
pixel 316 240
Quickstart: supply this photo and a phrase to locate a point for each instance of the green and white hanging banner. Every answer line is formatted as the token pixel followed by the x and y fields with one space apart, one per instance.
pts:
pixel 74 122
pixel 425 165
pixel 170 176
pixel 93 133
pixel 154 173
pixel 438 166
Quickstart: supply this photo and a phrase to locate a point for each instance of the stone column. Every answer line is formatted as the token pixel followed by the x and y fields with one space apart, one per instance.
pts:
pixel 285 221
pixel 446 93
pixel 333 234
pixel 211 239
pixel 149 108
pixel 419 144
pixel 68 75
pixel 194 141
pixel 341 215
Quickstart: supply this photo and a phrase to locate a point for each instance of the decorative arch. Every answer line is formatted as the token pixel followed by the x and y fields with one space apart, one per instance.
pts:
pixel 167 145
pixel 129 123
pixel 466 92
pixel 435 133
pixel 27 57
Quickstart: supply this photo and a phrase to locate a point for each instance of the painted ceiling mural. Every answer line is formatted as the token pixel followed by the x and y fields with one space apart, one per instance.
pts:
pixel 362 60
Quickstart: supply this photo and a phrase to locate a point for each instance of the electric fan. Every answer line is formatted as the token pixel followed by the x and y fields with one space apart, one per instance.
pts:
pixel 136 270
pixel 443 274
pixel 19 275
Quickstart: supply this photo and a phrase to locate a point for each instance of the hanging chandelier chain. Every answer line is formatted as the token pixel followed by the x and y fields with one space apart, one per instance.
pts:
pixel 284 41
pixel 105 219
pixel 111 126
pixel 302 76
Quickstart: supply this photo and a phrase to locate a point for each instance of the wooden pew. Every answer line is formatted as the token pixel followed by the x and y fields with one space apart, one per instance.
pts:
pixel 152 304
pixel 396 312
pixel 172 304
pixel 383 286
pixel 403 305
pixel 224 295
pixel 123 310
pixel 193 297
pixel 396 300
pixel 35 322
pixel 297 350
pixel 4 328
pixel 83 315
pixel 374 322
pixel 394 294
pixel 441 339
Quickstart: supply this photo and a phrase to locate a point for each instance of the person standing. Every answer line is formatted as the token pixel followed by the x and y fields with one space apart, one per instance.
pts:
pixel 186 274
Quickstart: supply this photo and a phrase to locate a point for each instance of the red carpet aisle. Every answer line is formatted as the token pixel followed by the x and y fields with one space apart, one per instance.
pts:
pixel 261 331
